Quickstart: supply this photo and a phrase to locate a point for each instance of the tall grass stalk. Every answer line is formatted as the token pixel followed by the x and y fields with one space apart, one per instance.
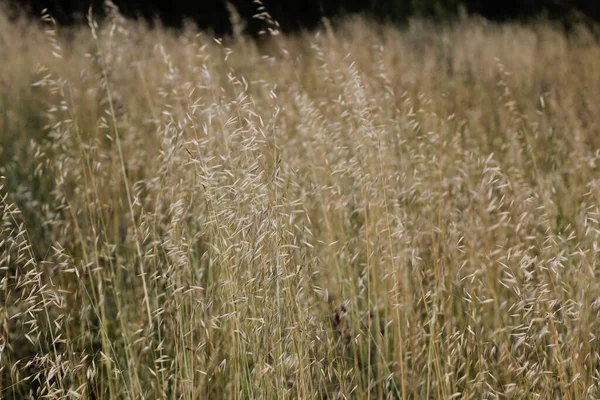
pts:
pixel 357 212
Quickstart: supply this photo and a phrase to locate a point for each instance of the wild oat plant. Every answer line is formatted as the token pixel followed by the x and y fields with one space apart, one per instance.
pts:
pixel 358 212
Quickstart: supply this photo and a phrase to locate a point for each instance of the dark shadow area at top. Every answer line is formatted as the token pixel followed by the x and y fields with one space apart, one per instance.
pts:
pixel 306 14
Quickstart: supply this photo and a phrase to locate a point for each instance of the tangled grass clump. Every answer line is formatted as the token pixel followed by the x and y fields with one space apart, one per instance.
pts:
pixel 358 212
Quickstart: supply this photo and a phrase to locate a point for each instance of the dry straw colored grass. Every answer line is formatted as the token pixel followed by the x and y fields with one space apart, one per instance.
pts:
pixel 358 212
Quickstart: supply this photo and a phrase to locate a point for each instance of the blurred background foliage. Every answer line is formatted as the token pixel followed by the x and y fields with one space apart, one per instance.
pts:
pixel 295 15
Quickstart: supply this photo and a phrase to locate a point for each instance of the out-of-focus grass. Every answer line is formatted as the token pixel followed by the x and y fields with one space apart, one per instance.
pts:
pixel 350 213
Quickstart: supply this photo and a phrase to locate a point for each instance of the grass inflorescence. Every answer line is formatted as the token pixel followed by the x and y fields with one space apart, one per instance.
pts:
pixel 356 212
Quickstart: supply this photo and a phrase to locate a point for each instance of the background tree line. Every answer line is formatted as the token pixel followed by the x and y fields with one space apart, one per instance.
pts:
pixel 293 15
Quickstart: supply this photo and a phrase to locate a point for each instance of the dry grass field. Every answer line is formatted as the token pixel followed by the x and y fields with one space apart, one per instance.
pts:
pixel 359 212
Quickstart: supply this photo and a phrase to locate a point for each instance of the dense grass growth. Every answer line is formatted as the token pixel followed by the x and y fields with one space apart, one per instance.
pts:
pixel 359 212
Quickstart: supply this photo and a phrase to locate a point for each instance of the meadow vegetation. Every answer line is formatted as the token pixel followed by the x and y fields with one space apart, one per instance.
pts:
pixel 362 211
